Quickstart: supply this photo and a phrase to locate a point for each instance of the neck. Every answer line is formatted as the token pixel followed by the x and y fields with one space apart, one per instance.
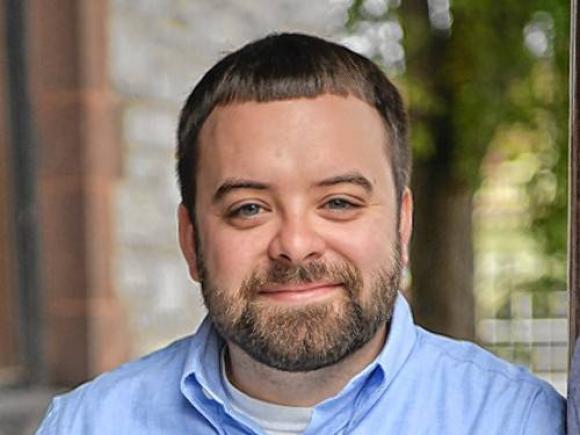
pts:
pixel 298 388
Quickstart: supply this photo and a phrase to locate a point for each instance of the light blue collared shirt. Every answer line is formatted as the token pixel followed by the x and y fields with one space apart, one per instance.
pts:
pixel 421 383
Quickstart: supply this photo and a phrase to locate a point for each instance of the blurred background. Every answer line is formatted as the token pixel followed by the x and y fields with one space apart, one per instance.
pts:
pixel 90 273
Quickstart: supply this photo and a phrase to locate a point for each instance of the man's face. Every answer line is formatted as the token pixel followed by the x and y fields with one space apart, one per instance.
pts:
pixel 299 241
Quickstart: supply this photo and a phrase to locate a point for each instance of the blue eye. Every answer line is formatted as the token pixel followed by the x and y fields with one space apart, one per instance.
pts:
pixel 340 204
pixel 246 210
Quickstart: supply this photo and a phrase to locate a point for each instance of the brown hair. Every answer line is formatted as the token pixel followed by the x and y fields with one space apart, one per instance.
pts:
pixel 285 66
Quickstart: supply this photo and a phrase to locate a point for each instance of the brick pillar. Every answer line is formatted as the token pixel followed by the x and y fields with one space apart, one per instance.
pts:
pixel 79 161
pixel 8 348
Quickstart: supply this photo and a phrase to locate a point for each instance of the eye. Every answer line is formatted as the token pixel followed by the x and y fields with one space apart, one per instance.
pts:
pixel 340 204
pixel 246 211
pixel 341 208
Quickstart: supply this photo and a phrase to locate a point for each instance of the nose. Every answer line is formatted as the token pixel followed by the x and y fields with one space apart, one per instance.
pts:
pixel 296 241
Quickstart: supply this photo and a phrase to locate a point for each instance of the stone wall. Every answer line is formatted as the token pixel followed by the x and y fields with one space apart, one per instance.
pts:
pixel 158 51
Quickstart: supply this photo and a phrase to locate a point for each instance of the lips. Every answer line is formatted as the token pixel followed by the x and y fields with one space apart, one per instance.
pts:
pixel 299 292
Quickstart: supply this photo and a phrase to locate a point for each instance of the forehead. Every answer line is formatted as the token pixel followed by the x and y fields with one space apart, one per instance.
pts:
pixel 328 114
pixel 301 137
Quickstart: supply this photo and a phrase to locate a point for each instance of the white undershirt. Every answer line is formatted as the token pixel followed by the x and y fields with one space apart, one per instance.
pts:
pixel 273 419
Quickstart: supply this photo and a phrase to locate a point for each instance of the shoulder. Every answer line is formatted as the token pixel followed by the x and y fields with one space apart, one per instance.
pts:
pixel 150 371
pixel 467 354
pixel 113 396
pixel 492 383
pixel 469 358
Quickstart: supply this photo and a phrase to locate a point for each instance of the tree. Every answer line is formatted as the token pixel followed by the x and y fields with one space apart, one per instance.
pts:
pixel 467 77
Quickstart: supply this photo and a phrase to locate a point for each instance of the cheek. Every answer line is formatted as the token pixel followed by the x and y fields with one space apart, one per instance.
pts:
pixel 229 255
pixel 369 247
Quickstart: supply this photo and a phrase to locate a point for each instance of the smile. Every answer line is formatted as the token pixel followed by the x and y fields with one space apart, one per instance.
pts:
pixel 301 292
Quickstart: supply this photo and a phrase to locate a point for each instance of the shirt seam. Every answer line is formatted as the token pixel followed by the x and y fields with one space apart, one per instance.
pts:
pixel 529 411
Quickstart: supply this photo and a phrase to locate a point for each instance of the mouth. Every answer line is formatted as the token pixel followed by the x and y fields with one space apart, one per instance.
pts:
pixel 300 292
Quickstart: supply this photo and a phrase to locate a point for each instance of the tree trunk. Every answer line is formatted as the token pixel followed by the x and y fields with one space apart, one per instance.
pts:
pixel 441 252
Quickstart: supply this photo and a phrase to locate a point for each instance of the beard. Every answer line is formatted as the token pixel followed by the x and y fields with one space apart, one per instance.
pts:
pixel 306 337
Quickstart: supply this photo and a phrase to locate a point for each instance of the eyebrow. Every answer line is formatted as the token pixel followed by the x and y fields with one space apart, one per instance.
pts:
pixel 232 184
pixel 351 177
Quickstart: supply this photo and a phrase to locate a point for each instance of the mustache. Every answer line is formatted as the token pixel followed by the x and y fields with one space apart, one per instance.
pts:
pixel 314 271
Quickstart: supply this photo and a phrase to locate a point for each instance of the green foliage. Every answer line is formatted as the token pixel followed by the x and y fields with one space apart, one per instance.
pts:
pixel 479 83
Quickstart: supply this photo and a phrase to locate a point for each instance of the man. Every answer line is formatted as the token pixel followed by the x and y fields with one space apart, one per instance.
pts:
pixel 296 218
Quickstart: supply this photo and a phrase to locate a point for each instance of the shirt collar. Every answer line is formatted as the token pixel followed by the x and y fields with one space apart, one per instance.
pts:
pixel 400 341
pixel 201 370
pixel 202 366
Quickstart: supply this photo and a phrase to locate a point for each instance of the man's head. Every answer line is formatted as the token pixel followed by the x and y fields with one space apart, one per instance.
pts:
pixel 293 167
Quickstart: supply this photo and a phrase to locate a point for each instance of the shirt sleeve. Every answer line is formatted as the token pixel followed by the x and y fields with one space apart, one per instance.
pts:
pixel 547 414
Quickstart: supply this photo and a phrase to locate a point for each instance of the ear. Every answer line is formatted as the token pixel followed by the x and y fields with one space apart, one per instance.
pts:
pixel 406 224
pixel 186 241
